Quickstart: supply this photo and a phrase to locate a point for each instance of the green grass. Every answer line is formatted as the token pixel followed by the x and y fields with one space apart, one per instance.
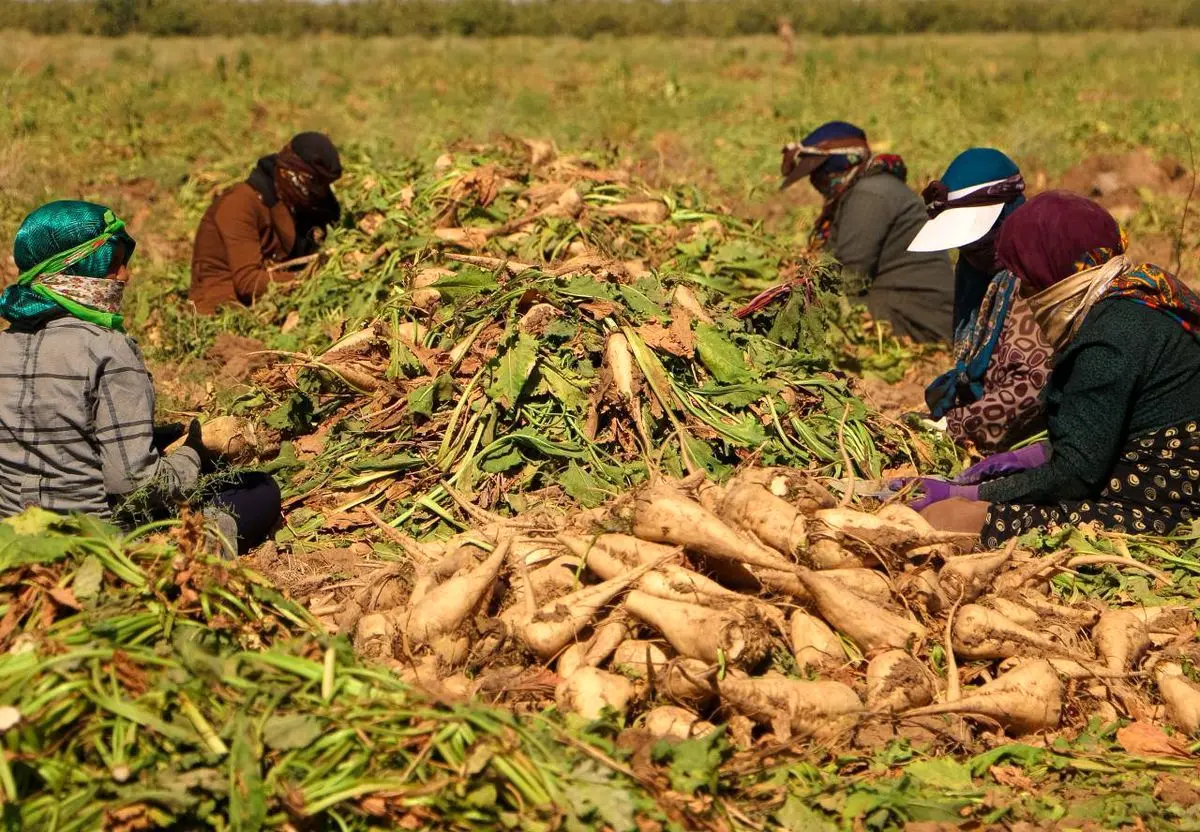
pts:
pixel 154 125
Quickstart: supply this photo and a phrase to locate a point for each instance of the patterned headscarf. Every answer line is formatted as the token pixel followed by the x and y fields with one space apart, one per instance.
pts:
pixel 833 156
pixel 838 183
pixel 305 169
pixel 65 251
pixel 1073 252
pixel 973 347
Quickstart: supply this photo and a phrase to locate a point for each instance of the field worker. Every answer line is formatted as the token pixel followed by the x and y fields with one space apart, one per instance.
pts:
pixel 76 401
pixel 1123 401
pixel 990 398
pixel 868 219
pixel 278 214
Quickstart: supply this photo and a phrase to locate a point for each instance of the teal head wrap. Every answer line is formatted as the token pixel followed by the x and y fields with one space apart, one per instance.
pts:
pixel 63 238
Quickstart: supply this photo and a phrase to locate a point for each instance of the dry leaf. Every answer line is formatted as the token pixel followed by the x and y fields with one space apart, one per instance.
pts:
pixel 371 222
pixel 541 151
pixel 64 597
pixel 1144 739
pixel 670 340
pixel 599 309
pixel 468 238
pixel 1011 776
pixel 649 212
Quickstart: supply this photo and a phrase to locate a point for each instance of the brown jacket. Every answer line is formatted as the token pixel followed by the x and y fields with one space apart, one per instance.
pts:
pixel 238 239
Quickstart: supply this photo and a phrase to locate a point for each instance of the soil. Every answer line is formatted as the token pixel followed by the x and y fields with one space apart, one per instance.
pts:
pixel 907 395
pixel 1122 183
pixel 236 356
pixel 302 575
pixel 1119 181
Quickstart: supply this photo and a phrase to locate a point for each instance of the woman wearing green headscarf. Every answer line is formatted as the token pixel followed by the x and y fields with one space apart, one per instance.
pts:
pixel 76 400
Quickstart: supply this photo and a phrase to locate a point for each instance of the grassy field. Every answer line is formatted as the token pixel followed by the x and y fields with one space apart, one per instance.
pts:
pixel 374 442
pixel 153 125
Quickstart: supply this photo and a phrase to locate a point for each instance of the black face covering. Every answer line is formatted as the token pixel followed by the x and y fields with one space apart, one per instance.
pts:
pixel 981 254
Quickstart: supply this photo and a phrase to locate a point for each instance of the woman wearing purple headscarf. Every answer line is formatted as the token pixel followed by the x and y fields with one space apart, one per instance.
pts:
pixel 1123 401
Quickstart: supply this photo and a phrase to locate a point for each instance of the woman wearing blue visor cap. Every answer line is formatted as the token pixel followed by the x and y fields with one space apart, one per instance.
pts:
pixel 867 222
pixel 991 397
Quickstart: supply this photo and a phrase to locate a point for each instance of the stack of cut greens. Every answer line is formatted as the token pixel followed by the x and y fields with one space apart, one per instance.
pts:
pixel 542 331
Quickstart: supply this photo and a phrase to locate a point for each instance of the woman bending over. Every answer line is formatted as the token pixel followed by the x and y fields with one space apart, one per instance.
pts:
pixel 1123 400
pixel 76 400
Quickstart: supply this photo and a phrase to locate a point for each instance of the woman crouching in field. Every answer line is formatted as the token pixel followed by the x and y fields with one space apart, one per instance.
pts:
pixel 76 400
pixel 279 214
pixel 990 398
pixel 1123 400
pixel 868 219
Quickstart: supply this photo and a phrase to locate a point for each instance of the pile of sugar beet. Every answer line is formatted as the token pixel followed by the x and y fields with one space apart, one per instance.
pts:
pixel 764 606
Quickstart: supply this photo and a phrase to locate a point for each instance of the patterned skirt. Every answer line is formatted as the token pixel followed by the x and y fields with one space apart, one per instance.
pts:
pixel 1154 487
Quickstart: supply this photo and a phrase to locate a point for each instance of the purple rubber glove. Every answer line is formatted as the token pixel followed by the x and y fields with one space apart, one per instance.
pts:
pixel 1009 462
pixel 935 491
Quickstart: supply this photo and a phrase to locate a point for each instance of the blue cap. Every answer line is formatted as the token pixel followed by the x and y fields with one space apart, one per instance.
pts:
pixel 958 227
pixel 977 166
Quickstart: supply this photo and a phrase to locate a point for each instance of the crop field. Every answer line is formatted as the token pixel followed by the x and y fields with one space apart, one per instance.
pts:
pixel 567 543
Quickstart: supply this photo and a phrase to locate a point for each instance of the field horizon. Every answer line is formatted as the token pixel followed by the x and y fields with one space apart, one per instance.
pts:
pixel 84 115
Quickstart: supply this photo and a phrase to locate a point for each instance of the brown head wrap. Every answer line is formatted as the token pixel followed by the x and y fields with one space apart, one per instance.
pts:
pixel 305 168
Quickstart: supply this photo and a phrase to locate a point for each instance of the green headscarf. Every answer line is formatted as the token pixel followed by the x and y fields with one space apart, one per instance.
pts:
pixel 63 237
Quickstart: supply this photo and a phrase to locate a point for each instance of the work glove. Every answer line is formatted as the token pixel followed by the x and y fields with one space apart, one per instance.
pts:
pixel 1009 462
pixel 166 435
pixel 195 440
pixel 935 491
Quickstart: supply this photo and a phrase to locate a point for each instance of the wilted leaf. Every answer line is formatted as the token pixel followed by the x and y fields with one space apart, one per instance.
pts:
pixel 720 356
pixel 797 817
pixel 295 415
pixel 1024 755
pixel 32 521
pixel 597 800
pixel 582 487
pixel 640 303
pixel 88 579
pixel 499 459
pixel 423 400
pixel 558 385
pixel 942 773
pixel 465 283
pixel 247 800
pixel 284 733
pixel 583 286
pixel 513 371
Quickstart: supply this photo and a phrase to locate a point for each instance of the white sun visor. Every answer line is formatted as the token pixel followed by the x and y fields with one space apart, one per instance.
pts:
pixel 957 227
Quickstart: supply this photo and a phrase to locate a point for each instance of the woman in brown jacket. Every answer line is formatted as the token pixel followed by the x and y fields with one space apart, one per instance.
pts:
pixel 279 213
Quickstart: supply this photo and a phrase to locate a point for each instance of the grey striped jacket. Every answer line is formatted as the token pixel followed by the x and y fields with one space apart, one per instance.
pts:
pixel 77 422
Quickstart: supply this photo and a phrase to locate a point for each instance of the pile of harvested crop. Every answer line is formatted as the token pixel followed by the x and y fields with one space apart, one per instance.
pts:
pixel 144 687
pixel 762 605
pixel 523 327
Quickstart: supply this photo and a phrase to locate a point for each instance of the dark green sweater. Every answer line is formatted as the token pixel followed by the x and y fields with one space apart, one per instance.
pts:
pixel 1130 370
